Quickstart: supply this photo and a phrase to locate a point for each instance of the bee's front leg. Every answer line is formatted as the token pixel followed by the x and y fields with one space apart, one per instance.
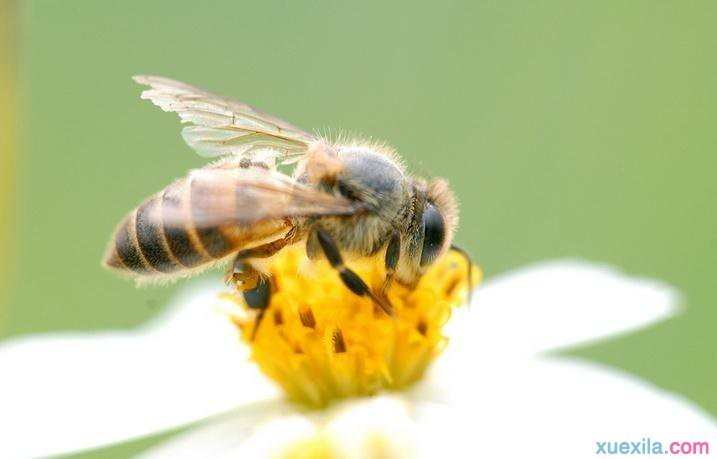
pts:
pixel 350 279
pixel 469 271
pixel 393 254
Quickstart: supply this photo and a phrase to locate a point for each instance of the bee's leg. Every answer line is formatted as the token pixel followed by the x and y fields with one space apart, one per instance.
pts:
pixel 469 272
pixel 258 298
pixel 255 288
pixel 349 277
pixel 393 254
pixel 270 248
pixel 243 272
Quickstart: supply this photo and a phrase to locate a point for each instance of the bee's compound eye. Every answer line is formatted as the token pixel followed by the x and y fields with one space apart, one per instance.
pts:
pixel 434 233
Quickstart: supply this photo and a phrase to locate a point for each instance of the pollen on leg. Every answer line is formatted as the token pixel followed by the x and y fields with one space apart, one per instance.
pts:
pixel 322 342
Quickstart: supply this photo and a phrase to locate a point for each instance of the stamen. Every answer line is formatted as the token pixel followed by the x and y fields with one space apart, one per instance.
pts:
pixel 278 317
pixel 307 318
pixel 343 344
pixel 422 327
pixel 338 341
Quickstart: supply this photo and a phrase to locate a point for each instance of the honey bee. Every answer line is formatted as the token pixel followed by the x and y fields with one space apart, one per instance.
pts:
pixel 344 199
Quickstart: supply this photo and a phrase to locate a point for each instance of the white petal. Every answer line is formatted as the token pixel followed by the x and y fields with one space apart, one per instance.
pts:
pixel 559 304
pixel 224 436
pixel 368 427
pixel 70 391
pixel 374 427
pixel 269 440
pixel 506 402
pixel 553 408
pixel 255 432
pixel 522 408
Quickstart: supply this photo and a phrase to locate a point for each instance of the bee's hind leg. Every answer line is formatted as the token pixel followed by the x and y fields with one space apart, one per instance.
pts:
pixel 242 275
pixel 258 298
pixel 243 272
pixel 256 288
pixel 350 279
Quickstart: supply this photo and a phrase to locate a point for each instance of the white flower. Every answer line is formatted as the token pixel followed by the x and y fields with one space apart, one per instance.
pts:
pixel 494 392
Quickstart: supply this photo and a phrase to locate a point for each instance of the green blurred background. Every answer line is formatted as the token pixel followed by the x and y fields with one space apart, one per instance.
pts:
pixel 568 129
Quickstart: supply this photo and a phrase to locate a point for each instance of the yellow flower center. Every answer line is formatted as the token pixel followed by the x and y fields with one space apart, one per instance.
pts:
pixel 321 342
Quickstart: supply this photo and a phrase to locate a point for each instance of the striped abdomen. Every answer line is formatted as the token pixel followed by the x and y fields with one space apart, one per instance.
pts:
pixel 146 245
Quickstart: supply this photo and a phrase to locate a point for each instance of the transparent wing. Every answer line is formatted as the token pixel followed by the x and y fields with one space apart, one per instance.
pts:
pixel 220 126
pixel 213 197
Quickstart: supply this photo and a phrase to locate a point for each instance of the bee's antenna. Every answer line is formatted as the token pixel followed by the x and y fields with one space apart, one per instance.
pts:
pixel 468 259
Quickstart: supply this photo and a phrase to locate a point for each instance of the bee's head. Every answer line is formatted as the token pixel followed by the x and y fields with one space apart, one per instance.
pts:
pixel 438 222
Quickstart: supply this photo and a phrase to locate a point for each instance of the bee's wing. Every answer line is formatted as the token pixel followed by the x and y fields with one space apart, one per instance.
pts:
pixel 222 126
pixel 212 197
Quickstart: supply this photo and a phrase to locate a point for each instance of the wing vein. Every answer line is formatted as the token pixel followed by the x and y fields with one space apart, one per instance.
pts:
pixel 212 118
